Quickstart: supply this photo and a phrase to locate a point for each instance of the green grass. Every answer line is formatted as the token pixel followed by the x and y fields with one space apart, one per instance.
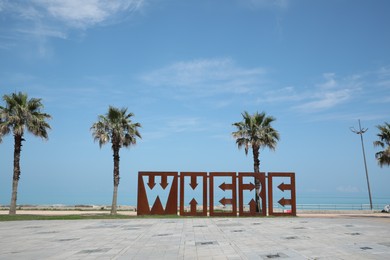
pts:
pixel 19 217
pixel 106 216
pixel 62 217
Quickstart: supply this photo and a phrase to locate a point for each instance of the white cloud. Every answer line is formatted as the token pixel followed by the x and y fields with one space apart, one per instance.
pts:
pixel 86 13
pixel 330 81
pixel 56 17
pixel 39 31
pixel 322 96
pixel 325 100
pixel 383 75
pixel 347 116
pixel 45 19
pixel 286 94
pixel 205 77
pixel 384 72
pixel 330 93
pixel 363 93
pixel 185 124
pixel 168 126
pixel 225 83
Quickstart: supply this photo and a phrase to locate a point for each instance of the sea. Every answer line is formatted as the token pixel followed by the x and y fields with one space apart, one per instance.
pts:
pixel 322 202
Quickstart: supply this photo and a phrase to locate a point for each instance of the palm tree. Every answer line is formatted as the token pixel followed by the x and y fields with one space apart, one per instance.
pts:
pixel 117 127
pixel 21 114
pixel 256 131
pixel 383 157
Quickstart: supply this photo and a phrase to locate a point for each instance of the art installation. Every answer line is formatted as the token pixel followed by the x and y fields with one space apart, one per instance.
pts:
pixel 220 187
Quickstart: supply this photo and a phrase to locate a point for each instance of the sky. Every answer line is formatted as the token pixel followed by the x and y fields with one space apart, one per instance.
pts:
pixel 187 70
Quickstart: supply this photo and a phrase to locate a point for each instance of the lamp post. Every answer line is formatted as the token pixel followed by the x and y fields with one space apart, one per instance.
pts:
pixel 361 132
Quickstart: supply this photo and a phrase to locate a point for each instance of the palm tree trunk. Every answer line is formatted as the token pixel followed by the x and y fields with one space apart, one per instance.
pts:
pixel 16 176
pixel 256 169
pixel 116 179
pixel 114 200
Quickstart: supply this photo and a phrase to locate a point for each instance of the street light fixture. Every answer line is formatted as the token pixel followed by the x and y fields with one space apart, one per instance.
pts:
pixel 361 132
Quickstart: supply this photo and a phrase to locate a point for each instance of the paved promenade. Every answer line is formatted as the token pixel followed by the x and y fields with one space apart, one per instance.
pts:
pixel 345 237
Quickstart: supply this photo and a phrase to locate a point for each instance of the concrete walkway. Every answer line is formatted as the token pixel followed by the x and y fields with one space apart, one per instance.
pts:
pixel 345 237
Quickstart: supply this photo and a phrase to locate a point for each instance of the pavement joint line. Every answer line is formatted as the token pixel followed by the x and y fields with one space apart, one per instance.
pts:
pixel 125 249
pixel 159 238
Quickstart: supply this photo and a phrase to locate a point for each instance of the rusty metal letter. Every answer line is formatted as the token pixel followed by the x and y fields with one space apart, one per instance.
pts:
pixel 224 186
pixel 157 208
pixel 283 187
pixel 251 186
pixel 195 176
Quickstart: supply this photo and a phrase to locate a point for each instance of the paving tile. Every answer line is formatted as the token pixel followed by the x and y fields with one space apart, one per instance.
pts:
pixel 198 238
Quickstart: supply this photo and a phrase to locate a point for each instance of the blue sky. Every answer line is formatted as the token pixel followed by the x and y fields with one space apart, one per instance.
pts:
pixel 187 69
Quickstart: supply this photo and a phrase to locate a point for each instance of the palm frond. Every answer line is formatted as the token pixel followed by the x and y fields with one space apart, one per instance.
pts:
pixel 22 113
pixel 383 157
pixel 116 127
pixel 255 131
